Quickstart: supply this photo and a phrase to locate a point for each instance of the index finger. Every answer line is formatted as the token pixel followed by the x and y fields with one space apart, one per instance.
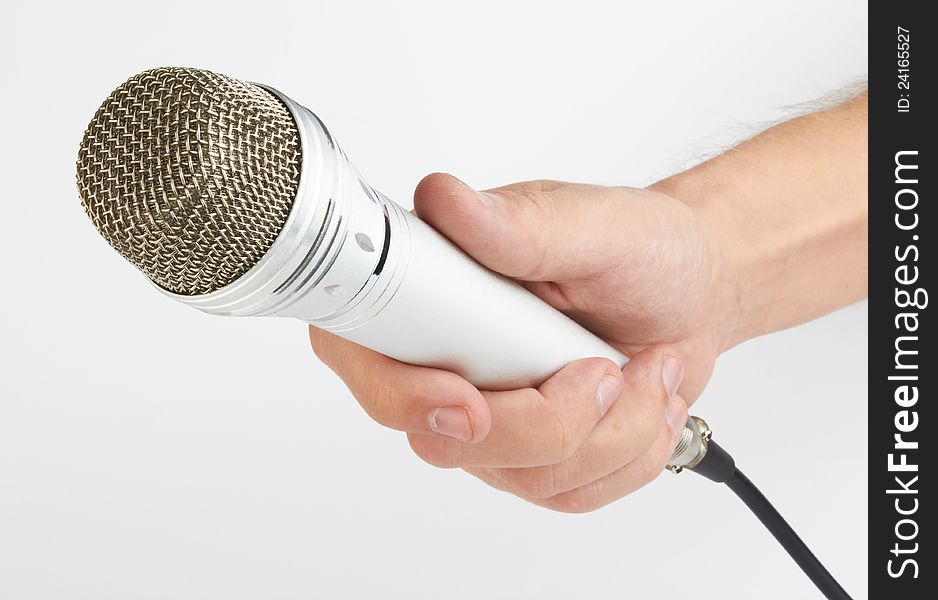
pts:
pixel 402 396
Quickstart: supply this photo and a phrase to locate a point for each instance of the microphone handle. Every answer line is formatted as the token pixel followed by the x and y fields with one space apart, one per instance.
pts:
pixel 443 309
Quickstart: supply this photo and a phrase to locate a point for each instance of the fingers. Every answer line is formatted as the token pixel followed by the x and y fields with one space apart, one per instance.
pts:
pixel 534 231
pixel 586 436
pixel 406 397
pixel 636 474
pixel 534 427
pixel 649 409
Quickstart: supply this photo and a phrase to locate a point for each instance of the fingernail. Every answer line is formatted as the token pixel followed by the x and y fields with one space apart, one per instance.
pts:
pixel 486 199
pixel 674 415
pixel 451 421
pixel 672 372
pixel 607 392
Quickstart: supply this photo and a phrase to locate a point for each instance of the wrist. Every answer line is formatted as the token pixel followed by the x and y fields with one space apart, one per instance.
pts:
pixel 703 191
pixel 786 214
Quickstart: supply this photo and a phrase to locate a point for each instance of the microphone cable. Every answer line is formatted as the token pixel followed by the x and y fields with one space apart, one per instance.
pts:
pixel 717 465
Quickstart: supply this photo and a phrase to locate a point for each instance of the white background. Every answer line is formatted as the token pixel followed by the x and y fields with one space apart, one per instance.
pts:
pixel 150 451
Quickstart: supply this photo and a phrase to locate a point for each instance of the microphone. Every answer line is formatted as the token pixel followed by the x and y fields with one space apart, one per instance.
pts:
pixel 234 199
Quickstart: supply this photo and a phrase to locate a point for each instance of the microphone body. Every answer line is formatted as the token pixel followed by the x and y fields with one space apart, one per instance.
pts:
pixel 351 261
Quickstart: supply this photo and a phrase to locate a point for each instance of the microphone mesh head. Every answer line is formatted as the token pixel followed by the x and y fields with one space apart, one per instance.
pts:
pixel 190 175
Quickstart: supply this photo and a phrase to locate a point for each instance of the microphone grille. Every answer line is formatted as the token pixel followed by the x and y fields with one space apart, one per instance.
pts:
pixel 190 175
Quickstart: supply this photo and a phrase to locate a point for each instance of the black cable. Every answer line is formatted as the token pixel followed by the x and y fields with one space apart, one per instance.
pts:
pixel 717 465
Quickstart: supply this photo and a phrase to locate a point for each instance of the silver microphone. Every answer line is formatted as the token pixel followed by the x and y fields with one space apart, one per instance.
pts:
pixel 234 199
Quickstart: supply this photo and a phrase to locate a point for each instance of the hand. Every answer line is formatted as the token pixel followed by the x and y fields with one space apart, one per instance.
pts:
pixel 636 267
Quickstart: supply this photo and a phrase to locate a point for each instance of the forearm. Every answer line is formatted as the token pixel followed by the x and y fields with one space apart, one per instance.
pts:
pixel 788 213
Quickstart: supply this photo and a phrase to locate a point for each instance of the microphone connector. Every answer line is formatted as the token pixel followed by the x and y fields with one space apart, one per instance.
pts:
pixel 691 447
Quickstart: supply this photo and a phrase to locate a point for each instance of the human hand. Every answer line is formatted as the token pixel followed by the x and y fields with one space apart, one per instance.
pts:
pixel 636 267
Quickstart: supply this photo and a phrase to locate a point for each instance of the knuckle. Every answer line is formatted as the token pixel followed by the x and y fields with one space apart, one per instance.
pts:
pixel 563 440
pixel 555 433
pixel 532 482
pixel 380 402
pixel 576 501
pixel 547 214
pixel 548 185
pixel 649 470
pixel 541 231
pixel 436 452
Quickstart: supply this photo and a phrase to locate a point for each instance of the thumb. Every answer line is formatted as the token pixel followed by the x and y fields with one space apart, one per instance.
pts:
pixel 534 231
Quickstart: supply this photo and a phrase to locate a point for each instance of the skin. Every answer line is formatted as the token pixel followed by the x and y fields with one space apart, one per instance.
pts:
pixel 768 235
